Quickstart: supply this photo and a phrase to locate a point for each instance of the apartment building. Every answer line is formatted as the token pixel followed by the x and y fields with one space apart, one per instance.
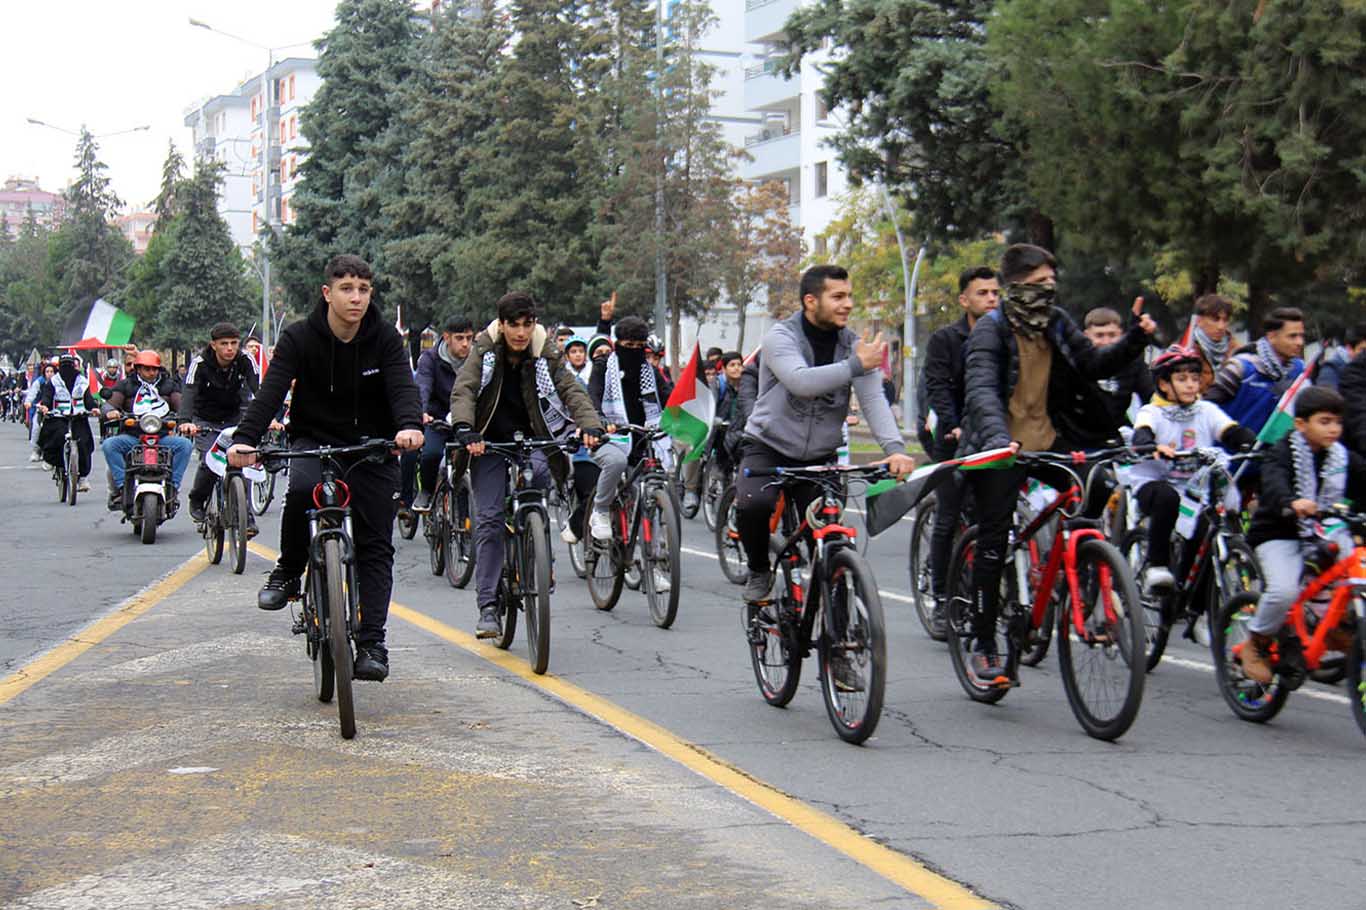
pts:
pixel 137 227
pixel 19 194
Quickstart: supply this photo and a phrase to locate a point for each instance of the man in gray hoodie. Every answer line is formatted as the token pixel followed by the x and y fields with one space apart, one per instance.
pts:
pixel 811 362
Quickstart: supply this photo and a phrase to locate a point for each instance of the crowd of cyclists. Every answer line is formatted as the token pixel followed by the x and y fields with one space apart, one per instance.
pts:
pixel 1013 380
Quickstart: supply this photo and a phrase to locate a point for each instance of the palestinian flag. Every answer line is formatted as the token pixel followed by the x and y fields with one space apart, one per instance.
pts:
pixel 691 409
pixel 990 460
pixel 101 321
pixel 886 501
pixel 1188 337
pixel 1283 418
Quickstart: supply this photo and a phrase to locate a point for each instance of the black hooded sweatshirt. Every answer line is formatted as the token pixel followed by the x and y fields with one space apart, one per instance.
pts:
pixel 344 392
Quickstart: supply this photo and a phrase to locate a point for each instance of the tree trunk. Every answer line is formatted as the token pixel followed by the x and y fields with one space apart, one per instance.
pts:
pixel 1259 303
pixel 675 338
pixel 742 313
pixel 1206 279
pixel 1040 230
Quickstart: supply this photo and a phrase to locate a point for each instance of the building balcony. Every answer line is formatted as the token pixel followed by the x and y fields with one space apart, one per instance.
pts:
pixel 767 18
pixel 765 88
pixel 774 150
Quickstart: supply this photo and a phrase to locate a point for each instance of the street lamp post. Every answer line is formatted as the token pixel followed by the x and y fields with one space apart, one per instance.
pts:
pixel 61 129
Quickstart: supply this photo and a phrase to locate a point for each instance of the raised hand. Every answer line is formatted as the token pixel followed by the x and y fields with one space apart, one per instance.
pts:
pixel 870 353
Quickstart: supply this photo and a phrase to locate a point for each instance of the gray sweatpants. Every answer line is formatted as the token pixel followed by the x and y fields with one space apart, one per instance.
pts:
pixel 611 459
pixel 1281 567
pixel 489 477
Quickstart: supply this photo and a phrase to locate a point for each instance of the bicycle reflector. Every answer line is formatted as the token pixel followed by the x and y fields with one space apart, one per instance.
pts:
pixel 337 489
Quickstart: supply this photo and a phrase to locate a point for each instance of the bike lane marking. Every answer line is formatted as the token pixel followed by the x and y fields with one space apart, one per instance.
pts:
pixel 896 867
pixel 84 639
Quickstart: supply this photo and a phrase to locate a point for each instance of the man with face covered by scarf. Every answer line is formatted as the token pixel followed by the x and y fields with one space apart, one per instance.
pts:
pixel 66 398
pixel 1010 401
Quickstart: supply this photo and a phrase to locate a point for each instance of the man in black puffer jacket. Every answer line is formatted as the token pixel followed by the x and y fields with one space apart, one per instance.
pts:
pixel 1012 355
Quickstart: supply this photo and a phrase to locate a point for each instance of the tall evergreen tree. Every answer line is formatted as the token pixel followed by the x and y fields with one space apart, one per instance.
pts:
pixel 167 204
pixel 93 252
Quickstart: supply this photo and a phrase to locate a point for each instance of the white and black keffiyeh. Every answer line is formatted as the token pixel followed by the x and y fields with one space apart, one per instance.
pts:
pixel 1325 489
pixel 1268 361
pixel 1215 352
pixel 614 400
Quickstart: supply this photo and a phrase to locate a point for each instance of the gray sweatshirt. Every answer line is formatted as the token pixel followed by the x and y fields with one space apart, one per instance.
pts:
pixel 800 410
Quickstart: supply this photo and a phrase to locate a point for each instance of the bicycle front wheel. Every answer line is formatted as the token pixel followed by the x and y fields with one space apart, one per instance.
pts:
pixel 728 550
pixel 235 516
pixel 713 488
pixel 960 622
pixel 338 638
pixel 536 590
pixel 922 582
pixel 852 647
pixel 316 646
pixel 262 492
pixel 71 456
pixel 1156 624
pixel 1249 700
pixel 1103 662
pixel 213 528
pixel 605 571
pixel 434 529
pixel 1356 690
pixel 460 535
pixel 660 570
pixel 773 652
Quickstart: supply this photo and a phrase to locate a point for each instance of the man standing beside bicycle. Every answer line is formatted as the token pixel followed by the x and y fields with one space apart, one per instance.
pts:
pixel 811 362
pixel 352 382
pixel 436 371
pixel 514 381
pixel 218 385
pixel 1021 360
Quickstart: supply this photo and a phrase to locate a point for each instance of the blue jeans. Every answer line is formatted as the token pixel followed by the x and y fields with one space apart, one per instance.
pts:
pixel 116 449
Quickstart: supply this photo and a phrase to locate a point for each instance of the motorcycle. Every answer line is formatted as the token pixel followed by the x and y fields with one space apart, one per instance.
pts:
pixel 148 495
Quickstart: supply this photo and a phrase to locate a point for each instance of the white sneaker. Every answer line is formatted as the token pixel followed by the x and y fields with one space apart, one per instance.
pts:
pixel 661 581
pixel 83 486
pixel 600 526
pixel 568 535
pixel 35 456
pixel 1158 578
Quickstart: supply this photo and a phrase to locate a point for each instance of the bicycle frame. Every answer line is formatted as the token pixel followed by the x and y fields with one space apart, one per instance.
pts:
pixel 1348 577
pixel 633 526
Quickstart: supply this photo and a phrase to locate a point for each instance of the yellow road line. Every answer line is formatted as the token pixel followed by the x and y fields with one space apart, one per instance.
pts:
pixel 896 867
pixel 82 641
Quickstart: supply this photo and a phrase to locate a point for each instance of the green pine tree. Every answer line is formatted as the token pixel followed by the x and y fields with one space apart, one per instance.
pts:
pixel 92 253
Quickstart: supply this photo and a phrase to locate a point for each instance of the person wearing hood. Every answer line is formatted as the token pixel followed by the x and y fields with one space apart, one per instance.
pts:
pixel 67 397
pixel 147 387
pixel 352 381
pixel 436 371
pixel 1013 356
pixel 576 359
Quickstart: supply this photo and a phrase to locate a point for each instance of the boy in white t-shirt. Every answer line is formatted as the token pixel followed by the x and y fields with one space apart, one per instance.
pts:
pixel 1175 420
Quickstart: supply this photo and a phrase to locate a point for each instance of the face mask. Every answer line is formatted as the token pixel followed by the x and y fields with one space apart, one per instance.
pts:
pixel 68 374
pixel 630 359
pixel 1026 307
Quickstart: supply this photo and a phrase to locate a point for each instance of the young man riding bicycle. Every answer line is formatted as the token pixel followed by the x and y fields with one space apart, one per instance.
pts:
pixel 436 372
pixel 352 381
pixel 1023 360
pixel 514 381
pixel 811 362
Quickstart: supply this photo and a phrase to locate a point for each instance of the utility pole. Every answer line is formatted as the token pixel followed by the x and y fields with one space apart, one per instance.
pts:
pixel 267 316
pixel 661 281
pixel 909 277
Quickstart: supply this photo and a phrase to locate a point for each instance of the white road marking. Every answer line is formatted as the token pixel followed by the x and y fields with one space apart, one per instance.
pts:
pixel 890 595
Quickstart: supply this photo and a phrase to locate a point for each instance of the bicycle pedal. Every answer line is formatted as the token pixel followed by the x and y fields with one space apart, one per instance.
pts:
pixel 298 628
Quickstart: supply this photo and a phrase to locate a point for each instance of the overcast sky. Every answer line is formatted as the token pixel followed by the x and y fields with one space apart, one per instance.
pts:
pixel 117 64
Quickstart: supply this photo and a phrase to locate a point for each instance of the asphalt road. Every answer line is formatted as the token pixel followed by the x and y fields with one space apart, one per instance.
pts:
pixel 470 774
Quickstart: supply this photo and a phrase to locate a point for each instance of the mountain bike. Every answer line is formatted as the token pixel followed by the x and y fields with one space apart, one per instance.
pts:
pixel 329 614
pixel 527 580
pixel 449 523
pixel 564 502
pixel 828 601
pixel 1099 615
pixel 67 474
pixel 728 550
pixel 1301 646
pixel 644 517
pixel 1222 563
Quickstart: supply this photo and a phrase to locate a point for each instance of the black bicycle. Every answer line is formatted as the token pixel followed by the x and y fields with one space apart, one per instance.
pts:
pixel 526 582
pixel 448 524
pixel 644 516
pixel 225 516
pixel 828 601
pixel 329 616
pixel 67 474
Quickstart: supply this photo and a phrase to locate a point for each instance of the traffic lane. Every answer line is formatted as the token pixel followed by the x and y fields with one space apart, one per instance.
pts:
pixel 64 565
pixel 956 783
pixel 184 762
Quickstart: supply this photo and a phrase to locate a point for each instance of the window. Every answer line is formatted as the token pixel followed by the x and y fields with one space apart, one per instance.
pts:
pixel 284 210
pixel 291 86
pixel 255 223
pixel 283 138
pixel 254 107
pixel 822 178
pixel 293 126
pixel 822 109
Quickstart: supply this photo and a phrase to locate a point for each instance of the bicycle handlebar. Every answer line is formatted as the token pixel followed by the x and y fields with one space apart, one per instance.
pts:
pixel 817 471
pixel 275 457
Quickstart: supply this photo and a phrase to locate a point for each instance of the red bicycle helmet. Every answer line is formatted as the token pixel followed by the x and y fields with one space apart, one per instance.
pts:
pixel 1167 363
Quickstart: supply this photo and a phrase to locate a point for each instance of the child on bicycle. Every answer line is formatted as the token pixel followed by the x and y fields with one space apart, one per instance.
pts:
pixel 1176 419
pixel 1306 472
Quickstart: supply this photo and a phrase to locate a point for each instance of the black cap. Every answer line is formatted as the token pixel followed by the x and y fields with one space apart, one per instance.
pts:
pixel 224 330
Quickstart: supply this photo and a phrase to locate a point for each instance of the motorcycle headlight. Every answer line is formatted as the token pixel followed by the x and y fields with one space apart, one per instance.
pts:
pixel 150 423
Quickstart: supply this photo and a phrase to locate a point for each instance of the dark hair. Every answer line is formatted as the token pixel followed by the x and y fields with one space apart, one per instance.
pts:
pixel 1277 318
pixel 729 356
pixel 456 325
pixel 252 337
pixel 564 331
pixel 347 265
pixel 1356 334
pixel 814 278
pixel 1102 315
pixel 1022 258
pixel 632 328
pixel 1318 399
pixel 224 330
pixel 713 353
pixel 1214 305
pixel 976 273
pixel 516 305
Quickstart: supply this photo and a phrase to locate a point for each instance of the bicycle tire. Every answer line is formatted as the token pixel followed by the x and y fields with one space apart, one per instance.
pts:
pixel 460 541
pixel 212 528
pixel 1241 573
pixel 1124 630
pixel 237 510
pixel 922 582
pixel 262 493
pixel 773 653
pixel 578 551
pixel 315 645
pixel 1249 700
pixel 665 556
pixel 1037 641
pixel 434 529
pixel 407 523
pixel 151 517
pixel 731 555
pixel 713 488
pixel 59 477
pixel 536 570
pixel 1157 619
pixel 506 608
pixel 1356 679
pixel 958 620
pixel 864 645
pixel 338 636
pixel 606 574
pixel 71 456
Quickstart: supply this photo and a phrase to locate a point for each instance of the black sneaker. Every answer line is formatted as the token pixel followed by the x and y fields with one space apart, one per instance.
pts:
pixel 372 664
pixel 758 586
pixel 843 675
pixel 197 512
pixel 939 618
pixel 282 585
pixel 252 530
pixel 116 500
pixel 488 625
pixel 989 668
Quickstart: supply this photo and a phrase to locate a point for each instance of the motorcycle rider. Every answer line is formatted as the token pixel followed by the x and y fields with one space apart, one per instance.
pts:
pixel 148 387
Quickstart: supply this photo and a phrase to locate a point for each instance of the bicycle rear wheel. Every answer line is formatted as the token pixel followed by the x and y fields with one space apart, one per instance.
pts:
pixel 773 652
pixel 262 492
pixel 960 614
pixel 728 550
pixel 922 583
pixel 434 529
pixel 71 462
pixel 212 528
pixel 660 558
pixel 1156 623
pixel 713 488
pixel 852 647
pixel 460 535
pixel 605 571
pixel 1248 699
pixel 536 590
pixel 338 637
pixel 1356 691
pixel 235 515
pixel 1103 664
